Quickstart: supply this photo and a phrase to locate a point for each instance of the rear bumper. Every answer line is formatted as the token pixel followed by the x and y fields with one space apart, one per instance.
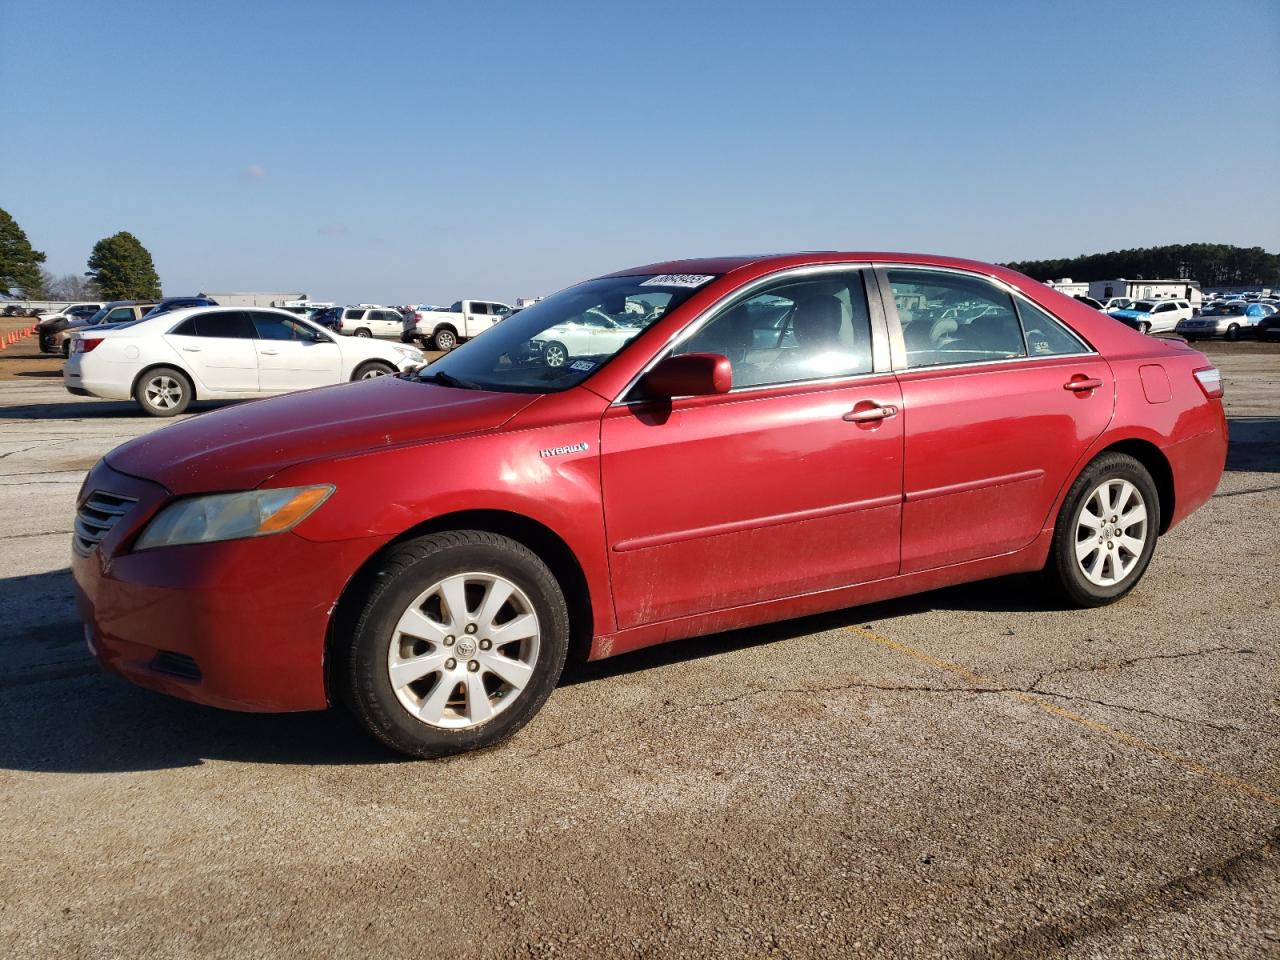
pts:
pixel 1197 465
pixel 240 625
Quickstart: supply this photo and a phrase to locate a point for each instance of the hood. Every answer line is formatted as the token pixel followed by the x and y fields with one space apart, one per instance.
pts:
pixel 238 447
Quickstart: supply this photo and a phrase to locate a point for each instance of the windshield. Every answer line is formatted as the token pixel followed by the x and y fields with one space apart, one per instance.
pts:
pixel 1225 310
pixel 557 343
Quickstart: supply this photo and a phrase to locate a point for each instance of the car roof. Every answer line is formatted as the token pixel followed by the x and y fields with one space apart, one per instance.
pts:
pixel 730 264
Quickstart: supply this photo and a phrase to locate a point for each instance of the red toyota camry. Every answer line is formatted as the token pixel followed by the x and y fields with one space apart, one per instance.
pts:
pixel 662 452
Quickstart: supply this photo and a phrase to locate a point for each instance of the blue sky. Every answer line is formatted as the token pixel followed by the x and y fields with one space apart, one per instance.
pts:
pixel 407 152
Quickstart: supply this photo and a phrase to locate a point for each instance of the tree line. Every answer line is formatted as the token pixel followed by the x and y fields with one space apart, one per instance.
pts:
pixel 1213 264
pixel 120 268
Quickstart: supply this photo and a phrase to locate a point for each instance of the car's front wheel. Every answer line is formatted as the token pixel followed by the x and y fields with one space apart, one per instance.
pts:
pixel 163 392
pixel 459 642
pixel 1106 532
pixel 555 354
pixel 372 369
pixel 1144 327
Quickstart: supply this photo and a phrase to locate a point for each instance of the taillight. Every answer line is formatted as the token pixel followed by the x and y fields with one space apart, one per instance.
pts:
pixel 1210 380
pixel 85 344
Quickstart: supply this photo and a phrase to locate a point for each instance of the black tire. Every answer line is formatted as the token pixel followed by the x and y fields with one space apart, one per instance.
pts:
pixel 363 332
pixel 555 354
pixel 444 339
pixel 1144 327
pixel 1062 572
pixel 154 378
pixel 361 676
pixel 65 350
pixel 372 368
pixel 1233 332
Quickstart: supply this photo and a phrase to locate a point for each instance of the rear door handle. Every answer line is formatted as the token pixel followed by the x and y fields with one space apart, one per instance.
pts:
pixel 871 414
pixel 269 353
pixel 191 349
pixel 1082 384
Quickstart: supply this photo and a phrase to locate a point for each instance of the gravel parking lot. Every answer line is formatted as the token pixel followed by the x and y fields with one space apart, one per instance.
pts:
pixel 964 773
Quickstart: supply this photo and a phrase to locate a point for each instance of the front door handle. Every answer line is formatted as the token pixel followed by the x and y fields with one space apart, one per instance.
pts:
pixel 191 349
pixel 871 414
pixel 269 353
pixel 1080 384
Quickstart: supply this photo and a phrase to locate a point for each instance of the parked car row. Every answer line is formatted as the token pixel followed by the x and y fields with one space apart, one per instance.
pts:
pixel 1230 320
pixel 54 330
pixel 163 361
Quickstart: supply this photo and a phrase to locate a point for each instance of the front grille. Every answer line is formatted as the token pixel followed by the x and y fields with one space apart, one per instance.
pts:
pixel 97 515
pixel 176 664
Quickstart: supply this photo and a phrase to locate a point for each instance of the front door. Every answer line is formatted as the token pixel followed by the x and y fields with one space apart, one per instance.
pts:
pixel 291 356
pixel 789 484
pixel 1000 400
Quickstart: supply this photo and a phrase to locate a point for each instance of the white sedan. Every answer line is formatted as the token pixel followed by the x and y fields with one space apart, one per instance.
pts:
pixel 591 334
pixel 220 353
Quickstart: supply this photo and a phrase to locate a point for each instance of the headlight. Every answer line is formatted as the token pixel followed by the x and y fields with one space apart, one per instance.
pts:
pixel 411 353
pixel 231 516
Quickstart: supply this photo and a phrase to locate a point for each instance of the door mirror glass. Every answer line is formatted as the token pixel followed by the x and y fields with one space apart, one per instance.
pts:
pixel 689 375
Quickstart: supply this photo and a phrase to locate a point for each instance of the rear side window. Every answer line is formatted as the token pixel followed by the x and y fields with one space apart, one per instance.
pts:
pixel 118 315
pixel 1046 337
pixel 950 318
pixel 230 324
pixel 479 307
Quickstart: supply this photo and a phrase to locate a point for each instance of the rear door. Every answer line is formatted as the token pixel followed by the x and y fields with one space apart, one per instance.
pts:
pixel 1000 401
pixel 291 355
pixel 387 323
pixel 476 318
pixel 217 347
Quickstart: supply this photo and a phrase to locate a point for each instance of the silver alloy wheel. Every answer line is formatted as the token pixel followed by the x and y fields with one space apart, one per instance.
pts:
pixel 374 371
pixel 163 392
pixel 463 650
pixel 1111 532
pixel 555 355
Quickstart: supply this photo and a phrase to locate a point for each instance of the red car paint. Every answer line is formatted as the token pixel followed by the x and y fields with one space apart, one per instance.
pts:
pixel 710 513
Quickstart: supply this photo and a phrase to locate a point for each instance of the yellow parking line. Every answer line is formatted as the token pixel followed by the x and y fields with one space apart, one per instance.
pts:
pixel 977 680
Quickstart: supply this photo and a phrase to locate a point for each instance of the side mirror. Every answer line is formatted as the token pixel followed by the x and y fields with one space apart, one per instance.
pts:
pixel 689 375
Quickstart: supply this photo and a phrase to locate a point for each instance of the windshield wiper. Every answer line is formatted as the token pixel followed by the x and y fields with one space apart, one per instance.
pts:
pixel 446 380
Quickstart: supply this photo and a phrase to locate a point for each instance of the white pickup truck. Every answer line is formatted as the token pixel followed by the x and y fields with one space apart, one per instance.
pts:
pixel 445 329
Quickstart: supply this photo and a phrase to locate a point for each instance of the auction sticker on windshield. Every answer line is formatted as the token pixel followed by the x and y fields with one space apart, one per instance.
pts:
pixel 678 280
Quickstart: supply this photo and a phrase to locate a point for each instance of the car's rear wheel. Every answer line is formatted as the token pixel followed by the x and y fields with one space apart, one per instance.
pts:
pixel 1106 532
pixel 363 332
pixel 1233 332
pixel 163 392
pixel 459 642
pixel 444 339
pixel 555 354
pixel 66 349
pixel 372 369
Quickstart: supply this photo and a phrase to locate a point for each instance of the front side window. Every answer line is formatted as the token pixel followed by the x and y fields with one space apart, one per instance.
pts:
pixel 797 329
pixel 499 309
pixel 271 326
pixel 953 318
pixel 548 347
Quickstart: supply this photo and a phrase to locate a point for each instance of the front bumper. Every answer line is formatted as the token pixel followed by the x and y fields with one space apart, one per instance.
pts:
pixel 240 624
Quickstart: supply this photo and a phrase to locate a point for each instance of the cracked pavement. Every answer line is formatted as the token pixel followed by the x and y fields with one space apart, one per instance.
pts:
pixel 966 773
